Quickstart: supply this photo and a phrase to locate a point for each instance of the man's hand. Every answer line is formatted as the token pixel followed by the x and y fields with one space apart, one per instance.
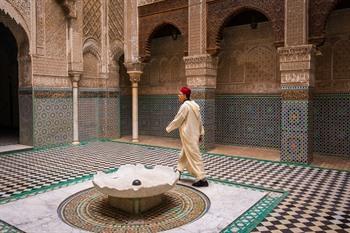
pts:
pixel 200 138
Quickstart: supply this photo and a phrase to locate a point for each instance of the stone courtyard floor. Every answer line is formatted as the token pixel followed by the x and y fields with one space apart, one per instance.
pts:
pixel 319 160
pixel 302 198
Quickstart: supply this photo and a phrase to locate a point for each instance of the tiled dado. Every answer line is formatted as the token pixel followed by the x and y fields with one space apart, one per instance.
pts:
pixel 99 114
pixel 53 116
pixel 155 113
pixel 332 124
pixel 25 101
pixel 125 115
pixel 297 124
pixel 252 120
pixel 205 98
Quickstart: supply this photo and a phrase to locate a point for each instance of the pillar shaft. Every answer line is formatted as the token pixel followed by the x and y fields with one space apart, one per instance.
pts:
pixel 75 85
pixel 135 112
pixel 201 73
pixel 297 78
pixel 134 70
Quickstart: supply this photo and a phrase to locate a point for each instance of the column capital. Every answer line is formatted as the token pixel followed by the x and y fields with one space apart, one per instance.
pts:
pixel 75 76
pixel 69 8
pixel 135 70
pixel 134 67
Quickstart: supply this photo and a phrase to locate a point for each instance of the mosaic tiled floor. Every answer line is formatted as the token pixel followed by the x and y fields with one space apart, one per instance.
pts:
pixel 90 210
pixel 318 199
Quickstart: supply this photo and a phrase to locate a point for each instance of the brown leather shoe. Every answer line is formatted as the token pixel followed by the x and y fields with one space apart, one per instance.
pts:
pixel 201 183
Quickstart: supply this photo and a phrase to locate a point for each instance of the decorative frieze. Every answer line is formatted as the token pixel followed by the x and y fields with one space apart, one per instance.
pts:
pixel 297 64
pixel 53 94
pixel 40 27
pixel 147 2
pixel 296 53
pixel 296 94
pixel 200 61
pixel 23 7
pixel 201 70
pixel 295 77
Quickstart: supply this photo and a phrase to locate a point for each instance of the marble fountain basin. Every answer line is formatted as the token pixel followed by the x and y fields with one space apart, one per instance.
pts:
pixel 135 188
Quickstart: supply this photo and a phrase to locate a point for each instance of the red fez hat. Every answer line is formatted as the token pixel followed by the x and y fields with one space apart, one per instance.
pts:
pixel 186 91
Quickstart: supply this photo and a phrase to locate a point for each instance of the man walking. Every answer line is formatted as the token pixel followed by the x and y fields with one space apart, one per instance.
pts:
pixel 188 121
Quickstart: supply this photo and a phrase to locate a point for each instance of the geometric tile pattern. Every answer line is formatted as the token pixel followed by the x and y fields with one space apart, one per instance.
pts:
pixel 53 118
pixel 98 114
pixel 297 141
pixel 318 199
pixel 92 19
pixel 89 115
pixel 155 113
pixel 248 120
pixel 90 208
pixel 206 103
pixel 6 228
pixel 25 101
pixel 332 124
pixel 112 117
pixel 125 115
pixel 249 220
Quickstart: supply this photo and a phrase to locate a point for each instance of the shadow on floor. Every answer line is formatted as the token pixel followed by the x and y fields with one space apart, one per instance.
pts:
pixel 8 136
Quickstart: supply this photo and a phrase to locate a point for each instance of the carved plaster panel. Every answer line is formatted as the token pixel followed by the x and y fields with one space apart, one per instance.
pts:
pixel 23 7
pixel 220 11
pixel 147 2
pixel 116 20
pixel 92 19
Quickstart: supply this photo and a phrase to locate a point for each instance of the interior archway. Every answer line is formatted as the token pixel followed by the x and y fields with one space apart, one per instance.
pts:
pixel 248 83
pixel 162 77
pixel 9 117
pixel 331 124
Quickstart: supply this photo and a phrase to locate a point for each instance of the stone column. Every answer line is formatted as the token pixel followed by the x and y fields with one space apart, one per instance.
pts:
pixel 75 84
pixel 201 71
pixel 297 81
pixel 134 70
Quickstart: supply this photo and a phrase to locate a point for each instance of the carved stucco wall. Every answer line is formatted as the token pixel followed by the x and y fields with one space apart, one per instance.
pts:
pixel 92 19
pixel 332 65
pixel 248 61
pixel 91 74
pixel 220 11
pixel 50 60
pixel 23 8
pixel 116 40
pixel 147 2
pixel 91 66
pixel 153 16
pixel 92 44
pixel 165 72
pixel 55 30
pixel 116 20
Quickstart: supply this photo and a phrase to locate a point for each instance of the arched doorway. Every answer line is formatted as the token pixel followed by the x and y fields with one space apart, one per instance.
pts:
pixel 332 94
pixel 125 99
pixel 9 117
pixel 248 103
pixel 163 75
pixel 16 97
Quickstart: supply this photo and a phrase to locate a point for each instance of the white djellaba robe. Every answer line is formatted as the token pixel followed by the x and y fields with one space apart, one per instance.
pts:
pixel 189 122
